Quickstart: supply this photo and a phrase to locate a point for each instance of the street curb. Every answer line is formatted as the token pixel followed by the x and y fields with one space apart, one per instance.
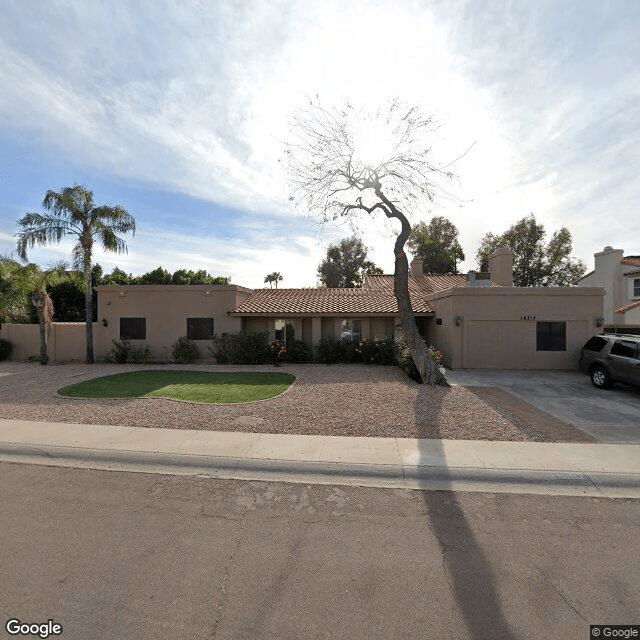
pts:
pixel 494 480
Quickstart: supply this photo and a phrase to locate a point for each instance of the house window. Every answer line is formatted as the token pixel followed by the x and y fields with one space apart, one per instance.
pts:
pixel 351 330
pixel 285 331
pixel 636 287
pixel 200 328
pixel 133 328
pixel 551 336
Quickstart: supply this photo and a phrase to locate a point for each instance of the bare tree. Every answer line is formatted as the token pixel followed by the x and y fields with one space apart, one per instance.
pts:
pixel 341 162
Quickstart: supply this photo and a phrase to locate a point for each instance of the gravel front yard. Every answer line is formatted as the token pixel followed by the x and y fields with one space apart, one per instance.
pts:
pixel 339 400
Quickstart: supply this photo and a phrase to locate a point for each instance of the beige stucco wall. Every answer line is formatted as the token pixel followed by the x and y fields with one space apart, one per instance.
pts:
pixel 66 341
pixel 630 288
pixel 608 273
pixel 166 309
pixel 497 327
pixel 631 317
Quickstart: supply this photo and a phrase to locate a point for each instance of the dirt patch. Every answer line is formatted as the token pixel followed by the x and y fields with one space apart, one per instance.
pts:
pixel 339 400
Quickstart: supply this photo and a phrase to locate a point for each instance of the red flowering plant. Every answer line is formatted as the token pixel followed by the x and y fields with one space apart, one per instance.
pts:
pixel 278 352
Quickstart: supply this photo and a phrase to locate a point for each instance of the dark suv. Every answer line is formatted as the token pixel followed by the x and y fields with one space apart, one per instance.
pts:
pixel 610 358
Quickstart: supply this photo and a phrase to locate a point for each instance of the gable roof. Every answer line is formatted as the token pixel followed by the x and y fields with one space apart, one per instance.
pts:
pixel 376 297
pixel 633 261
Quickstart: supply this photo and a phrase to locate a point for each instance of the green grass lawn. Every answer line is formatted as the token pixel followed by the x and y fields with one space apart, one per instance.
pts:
pixel 184 385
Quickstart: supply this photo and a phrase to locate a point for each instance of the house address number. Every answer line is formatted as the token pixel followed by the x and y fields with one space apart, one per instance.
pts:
pixel 527 317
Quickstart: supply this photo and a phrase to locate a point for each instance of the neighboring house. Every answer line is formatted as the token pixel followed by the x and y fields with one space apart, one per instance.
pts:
pixel 477 321
pixel 619 276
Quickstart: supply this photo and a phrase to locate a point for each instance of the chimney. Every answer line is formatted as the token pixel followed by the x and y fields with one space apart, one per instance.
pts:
pixel 478 279
pixel 607 260
pixel 501 267
pixel 416 267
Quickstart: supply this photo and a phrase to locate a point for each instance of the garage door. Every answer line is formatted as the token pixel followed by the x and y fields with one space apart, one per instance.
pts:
pixel 498 344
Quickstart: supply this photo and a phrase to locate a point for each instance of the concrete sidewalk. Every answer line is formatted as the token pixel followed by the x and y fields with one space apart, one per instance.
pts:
pixel 606 470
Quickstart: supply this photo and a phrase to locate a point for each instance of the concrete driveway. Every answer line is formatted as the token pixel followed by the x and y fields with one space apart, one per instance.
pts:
pixel 611 416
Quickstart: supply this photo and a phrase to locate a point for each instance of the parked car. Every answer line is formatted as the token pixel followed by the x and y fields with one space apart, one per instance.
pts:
pixel 609 358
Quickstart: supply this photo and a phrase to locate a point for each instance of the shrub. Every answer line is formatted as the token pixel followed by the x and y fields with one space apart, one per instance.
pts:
pixel 298 351
pixel 241 348
pixel 405 359
pixel 278 352
pixel 185 351
pixel 139 354
pixel 123 352
pixel 6 348
pixel 330 351
pixel 378 351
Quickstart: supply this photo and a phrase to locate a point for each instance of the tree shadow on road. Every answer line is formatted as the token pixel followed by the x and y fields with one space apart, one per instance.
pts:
pixel 468 571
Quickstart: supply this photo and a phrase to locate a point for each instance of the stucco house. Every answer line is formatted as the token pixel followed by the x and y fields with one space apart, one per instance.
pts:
pixel 477 321
pixel 157 315
pixel 619 276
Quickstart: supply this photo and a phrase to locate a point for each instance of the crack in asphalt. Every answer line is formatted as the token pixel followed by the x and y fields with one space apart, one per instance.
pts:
pixel 223 585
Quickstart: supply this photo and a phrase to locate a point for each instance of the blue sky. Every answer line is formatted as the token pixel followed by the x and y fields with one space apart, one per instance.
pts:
pixel 177 111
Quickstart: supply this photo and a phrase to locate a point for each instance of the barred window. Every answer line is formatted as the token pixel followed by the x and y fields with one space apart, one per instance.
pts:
pixel 551 336
pixel 133 328
pixel 200 328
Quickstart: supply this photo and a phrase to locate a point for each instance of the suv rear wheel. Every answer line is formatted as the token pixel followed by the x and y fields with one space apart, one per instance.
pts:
pixel 600 377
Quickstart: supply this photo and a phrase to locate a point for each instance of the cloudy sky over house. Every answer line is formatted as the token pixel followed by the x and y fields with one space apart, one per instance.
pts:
pixel 178 112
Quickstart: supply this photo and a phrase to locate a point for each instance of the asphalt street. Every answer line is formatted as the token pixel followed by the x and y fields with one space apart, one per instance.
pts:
pixel 116 555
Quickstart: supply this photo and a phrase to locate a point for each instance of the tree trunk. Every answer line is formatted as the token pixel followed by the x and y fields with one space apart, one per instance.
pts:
pixel 88 311
pixel 427 367
pixel 38 302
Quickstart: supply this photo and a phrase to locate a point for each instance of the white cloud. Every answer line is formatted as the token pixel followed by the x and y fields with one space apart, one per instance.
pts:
pixel 197 97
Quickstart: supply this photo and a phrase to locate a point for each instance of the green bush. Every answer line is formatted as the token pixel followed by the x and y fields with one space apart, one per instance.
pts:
pixel 6 348
pixel 298 351
pixel 123 352
pixel 379 351
pixel 277 351
pixel 405 359
pixel 241 348
pixel 367 351
pixel 185 351
pixel 330 351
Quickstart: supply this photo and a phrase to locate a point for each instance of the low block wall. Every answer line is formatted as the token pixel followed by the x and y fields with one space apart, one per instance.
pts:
pixel 65 341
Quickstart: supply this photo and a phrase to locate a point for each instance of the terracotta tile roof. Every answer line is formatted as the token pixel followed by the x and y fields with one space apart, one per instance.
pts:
pixel 375 297
pixel 633 305
pixel 633 261
pixel 321 301
pixel 418 285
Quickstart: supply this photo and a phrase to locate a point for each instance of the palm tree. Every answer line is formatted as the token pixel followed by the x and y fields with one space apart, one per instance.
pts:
pixel 29 279
pixel 273 278
pixel 44 306
pixel 72 213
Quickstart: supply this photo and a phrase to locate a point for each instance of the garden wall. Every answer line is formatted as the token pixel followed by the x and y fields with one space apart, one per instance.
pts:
pixel 65 341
